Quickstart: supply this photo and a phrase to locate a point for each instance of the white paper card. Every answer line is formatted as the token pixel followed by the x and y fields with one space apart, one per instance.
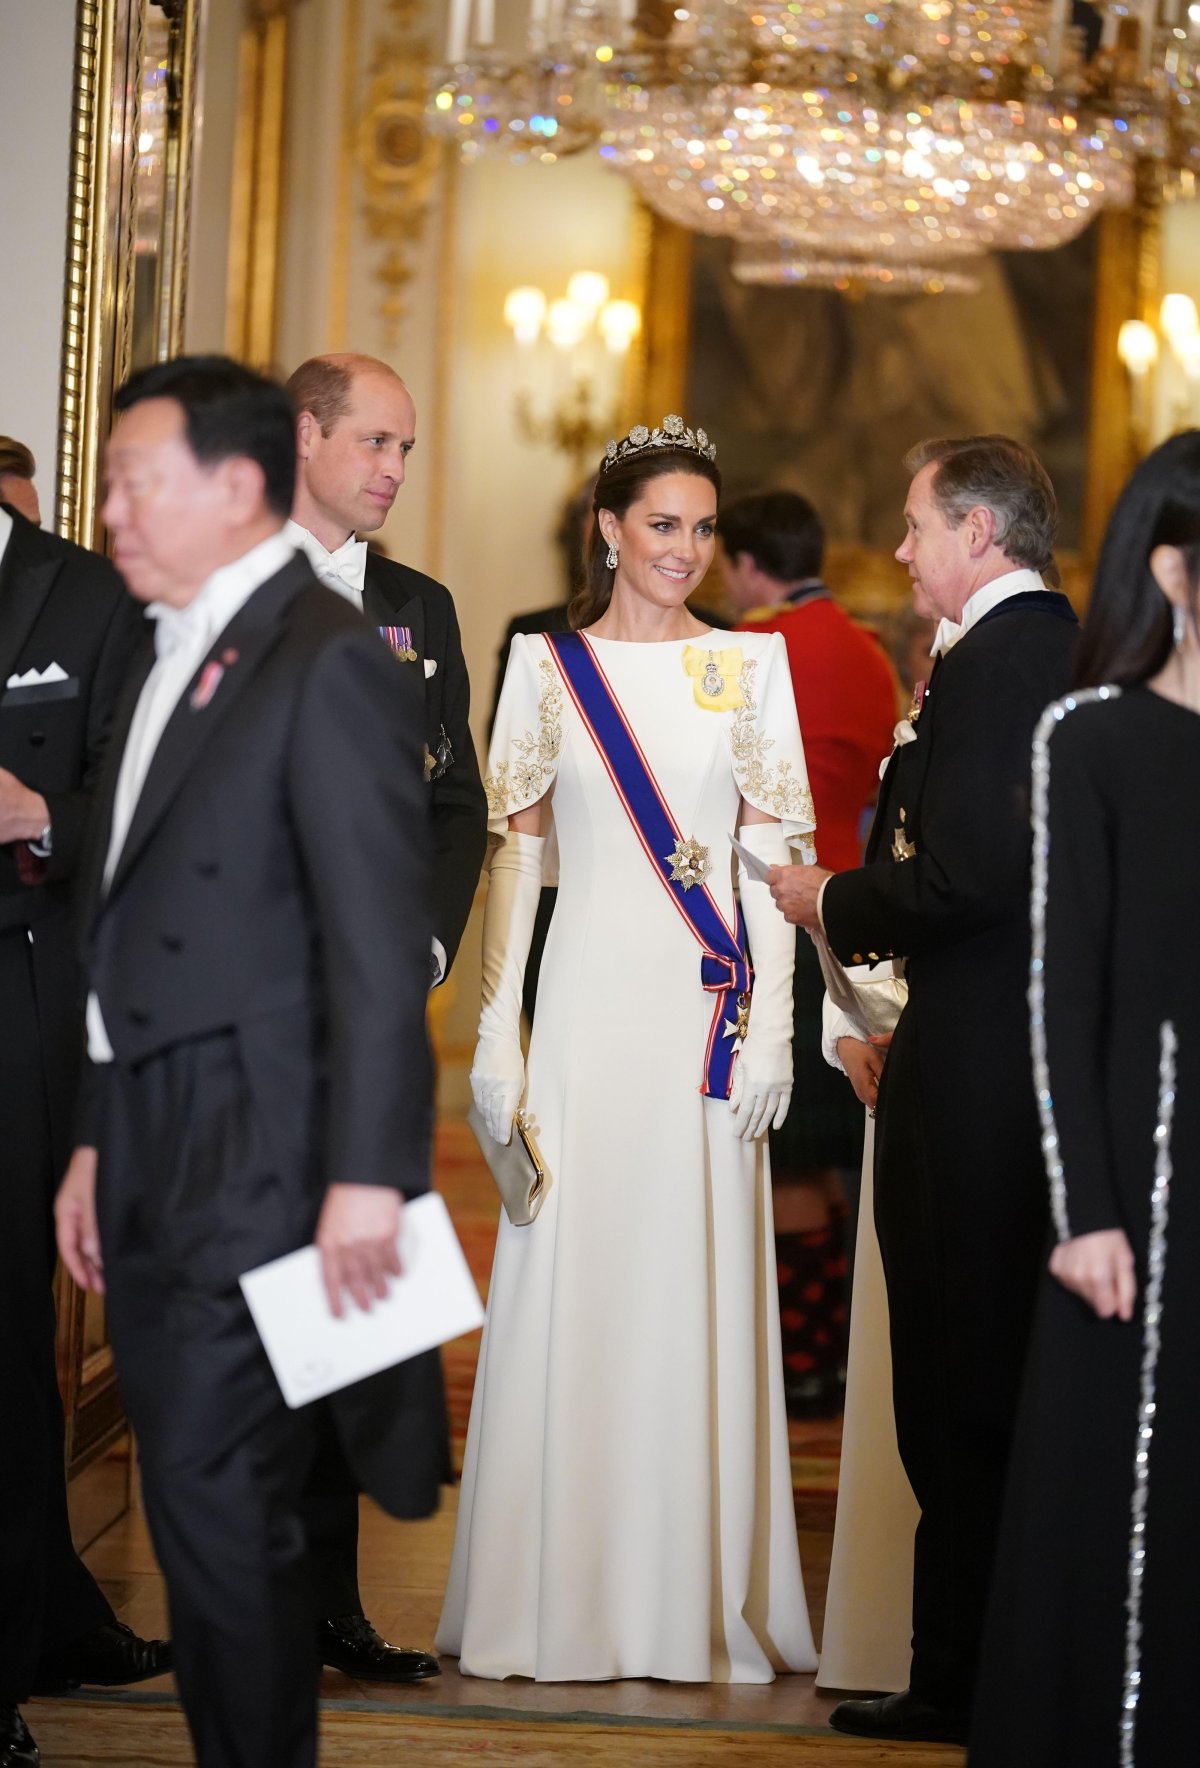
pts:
pixel 312 1353
pixel 755 867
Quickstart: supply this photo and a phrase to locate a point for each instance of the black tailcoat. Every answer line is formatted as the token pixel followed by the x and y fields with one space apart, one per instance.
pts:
pixel 960 1187
pixel 260 957
pixel 58 605
pixel 396 595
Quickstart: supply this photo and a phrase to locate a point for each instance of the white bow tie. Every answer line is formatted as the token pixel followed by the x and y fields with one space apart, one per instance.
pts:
pixel 343 569
pixel 946 637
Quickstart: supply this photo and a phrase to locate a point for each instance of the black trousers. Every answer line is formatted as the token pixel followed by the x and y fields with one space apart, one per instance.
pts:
pixel 330 1509
pixel 190 1195
pixel 47 1598
pixel 953 1418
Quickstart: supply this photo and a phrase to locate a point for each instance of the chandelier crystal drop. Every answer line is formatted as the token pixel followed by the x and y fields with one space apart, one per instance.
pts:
pixel 901 136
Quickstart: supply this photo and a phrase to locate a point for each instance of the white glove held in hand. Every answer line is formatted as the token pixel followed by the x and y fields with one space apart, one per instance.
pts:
pixel 498 1071
pixel 762 1075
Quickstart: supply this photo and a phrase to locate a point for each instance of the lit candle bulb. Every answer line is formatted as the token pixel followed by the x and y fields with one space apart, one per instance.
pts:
pixel 456 37
pixel 1060 13
pixel 1147 20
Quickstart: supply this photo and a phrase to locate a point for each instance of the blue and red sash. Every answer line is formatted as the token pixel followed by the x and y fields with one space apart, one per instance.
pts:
pixel 724 964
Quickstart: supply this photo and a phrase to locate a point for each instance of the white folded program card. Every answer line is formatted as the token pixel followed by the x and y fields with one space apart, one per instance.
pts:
pixel 755 867
pixel 313 1353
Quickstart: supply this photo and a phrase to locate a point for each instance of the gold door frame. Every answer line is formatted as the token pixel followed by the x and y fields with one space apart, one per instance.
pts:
pixel 98 296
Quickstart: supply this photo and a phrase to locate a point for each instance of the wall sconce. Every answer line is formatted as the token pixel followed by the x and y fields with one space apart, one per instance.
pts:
pixel 582 335
pixel 1164 383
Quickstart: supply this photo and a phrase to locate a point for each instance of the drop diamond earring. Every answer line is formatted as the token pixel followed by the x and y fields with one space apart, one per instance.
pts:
pixel 1178 626
pixel 611 560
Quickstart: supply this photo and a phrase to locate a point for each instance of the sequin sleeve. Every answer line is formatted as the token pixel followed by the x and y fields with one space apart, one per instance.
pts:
pixel 767 748
pixel 527 737
pixel 1071 911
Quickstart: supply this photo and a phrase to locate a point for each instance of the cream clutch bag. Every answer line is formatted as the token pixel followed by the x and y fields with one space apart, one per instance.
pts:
pixel 517 1167
pixel 872 999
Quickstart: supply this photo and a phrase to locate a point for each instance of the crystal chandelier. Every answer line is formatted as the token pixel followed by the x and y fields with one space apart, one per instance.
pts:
pixel 886 142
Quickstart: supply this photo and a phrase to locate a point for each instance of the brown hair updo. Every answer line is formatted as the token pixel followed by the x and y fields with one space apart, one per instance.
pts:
pixel 618 489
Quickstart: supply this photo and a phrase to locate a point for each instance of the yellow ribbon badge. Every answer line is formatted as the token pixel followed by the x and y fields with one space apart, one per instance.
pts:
pixel 715 678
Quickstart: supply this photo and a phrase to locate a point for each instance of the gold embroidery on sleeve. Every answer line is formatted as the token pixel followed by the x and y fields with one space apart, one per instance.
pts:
pixel 773 787
pixel 522 778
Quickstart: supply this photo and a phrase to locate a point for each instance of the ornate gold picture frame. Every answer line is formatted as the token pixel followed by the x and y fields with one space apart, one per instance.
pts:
pixel 126 279
pixel 127 222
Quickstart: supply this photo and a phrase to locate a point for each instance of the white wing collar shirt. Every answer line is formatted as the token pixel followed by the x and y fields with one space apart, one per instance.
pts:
pixel 182 637
pixel 344 570
pixel 1000 589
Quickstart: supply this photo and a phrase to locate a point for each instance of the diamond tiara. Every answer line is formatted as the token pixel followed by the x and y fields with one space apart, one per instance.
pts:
pixel 671 433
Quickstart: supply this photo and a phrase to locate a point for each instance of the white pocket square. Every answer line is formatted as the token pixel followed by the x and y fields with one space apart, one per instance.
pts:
pixel 430 667
pixel 36 678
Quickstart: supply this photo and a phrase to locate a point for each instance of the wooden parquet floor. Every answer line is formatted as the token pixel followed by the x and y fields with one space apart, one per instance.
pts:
pixel 455 1721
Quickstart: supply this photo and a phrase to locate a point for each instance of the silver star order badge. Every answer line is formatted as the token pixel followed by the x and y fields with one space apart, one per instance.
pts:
pixel 689 863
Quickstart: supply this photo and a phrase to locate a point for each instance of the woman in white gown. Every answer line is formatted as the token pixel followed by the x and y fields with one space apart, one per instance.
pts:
pixel 626 1503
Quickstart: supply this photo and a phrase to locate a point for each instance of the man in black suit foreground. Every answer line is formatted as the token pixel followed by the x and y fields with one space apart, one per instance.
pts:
pixel 960 1189
pixel 257 942
pixel 355 428
pixel 67 634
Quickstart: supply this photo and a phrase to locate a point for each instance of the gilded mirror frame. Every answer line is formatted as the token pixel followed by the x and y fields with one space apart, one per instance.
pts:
pixel 131 139
pixel 108 172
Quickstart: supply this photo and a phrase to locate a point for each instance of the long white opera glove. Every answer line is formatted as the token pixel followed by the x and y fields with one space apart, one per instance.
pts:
pixel 498 1071
pixel 762 1074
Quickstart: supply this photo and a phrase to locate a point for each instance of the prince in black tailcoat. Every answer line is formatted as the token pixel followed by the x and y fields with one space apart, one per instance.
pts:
pixel 67 634
pixel 355 427
pixel 960 1197
pixel 257 935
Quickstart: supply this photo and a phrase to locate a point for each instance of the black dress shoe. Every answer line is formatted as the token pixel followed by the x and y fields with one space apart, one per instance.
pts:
pixel 350 1643
pixel 17 1748
pixel 107 1657
pixel 905 1717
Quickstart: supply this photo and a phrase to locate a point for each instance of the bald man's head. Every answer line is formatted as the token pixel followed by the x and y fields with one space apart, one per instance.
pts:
pixel 355 427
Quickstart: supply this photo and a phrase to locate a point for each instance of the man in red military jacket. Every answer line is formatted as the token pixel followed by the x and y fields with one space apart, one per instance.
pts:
pixel 846 696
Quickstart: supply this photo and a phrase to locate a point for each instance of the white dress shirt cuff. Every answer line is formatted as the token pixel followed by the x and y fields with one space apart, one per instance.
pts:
pixel 439 962
pixel 821 904
pixel 98 1046
pixel 835 1024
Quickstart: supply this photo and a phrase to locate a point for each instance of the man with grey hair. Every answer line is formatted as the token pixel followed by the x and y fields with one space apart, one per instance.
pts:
pixel 960 1195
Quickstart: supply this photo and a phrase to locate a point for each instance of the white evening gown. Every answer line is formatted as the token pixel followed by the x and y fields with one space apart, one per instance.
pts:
pixel 626 1504
pixel 867 1639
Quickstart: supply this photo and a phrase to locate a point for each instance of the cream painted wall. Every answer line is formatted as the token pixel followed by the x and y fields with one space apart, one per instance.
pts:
pixel 37 52
pixel 317 48
pixel 517 224
pixel 215 126
pixel 480 505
